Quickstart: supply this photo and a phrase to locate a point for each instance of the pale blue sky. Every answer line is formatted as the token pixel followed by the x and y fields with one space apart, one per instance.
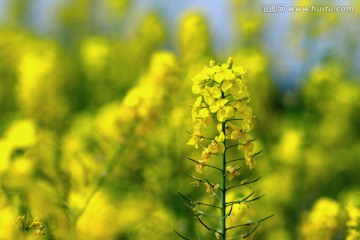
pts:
pixel 286 65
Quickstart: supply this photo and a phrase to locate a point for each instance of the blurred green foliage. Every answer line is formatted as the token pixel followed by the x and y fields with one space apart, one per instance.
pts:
pixel 93 123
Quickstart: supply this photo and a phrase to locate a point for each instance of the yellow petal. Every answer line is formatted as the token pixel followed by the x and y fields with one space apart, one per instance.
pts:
pixel 215 92
pixel 239 70
pixel 204 112
pixel 226 86
pixel 219 77
pixel 221 115
pixel 229 75
pixel 220 138
pixel 198 102
pixel 229 111
pixel 196 88
pixel 214 107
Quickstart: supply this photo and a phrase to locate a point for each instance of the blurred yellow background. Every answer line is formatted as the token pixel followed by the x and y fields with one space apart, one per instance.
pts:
pixel 94 109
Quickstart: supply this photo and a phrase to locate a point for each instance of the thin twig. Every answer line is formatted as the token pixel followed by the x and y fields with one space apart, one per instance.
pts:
pixel 240 159
pixel 181 235
pixel 235 145
pixel 197 202
pixel 195 178
pixel 240 201
pixel 234 119
pixel 254 199
pixel 243 184
pixel 200 213
pixel 206 165
pixel 240 144
pixel 231 208
pixel 248 234
pixel 208 228
pixel 249 223
pixel 212 185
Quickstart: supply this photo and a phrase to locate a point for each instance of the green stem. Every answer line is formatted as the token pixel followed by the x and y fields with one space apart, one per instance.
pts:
pixel 223 185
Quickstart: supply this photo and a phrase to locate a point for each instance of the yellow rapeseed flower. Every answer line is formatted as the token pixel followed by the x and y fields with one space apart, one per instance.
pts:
pixel 353 222
pixel 222 92
pixel 322 222
pixel 195 139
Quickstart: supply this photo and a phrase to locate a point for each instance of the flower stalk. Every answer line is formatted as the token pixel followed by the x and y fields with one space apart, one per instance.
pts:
pixel 223 184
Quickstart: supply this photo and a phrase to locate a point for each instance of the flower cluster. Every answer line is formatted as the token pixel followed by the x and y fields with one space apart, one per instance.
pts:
pixel 222 123
pixel 194 37
pixel 322 222
pixel 36 226
pixel 222 100
pixel 353 222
